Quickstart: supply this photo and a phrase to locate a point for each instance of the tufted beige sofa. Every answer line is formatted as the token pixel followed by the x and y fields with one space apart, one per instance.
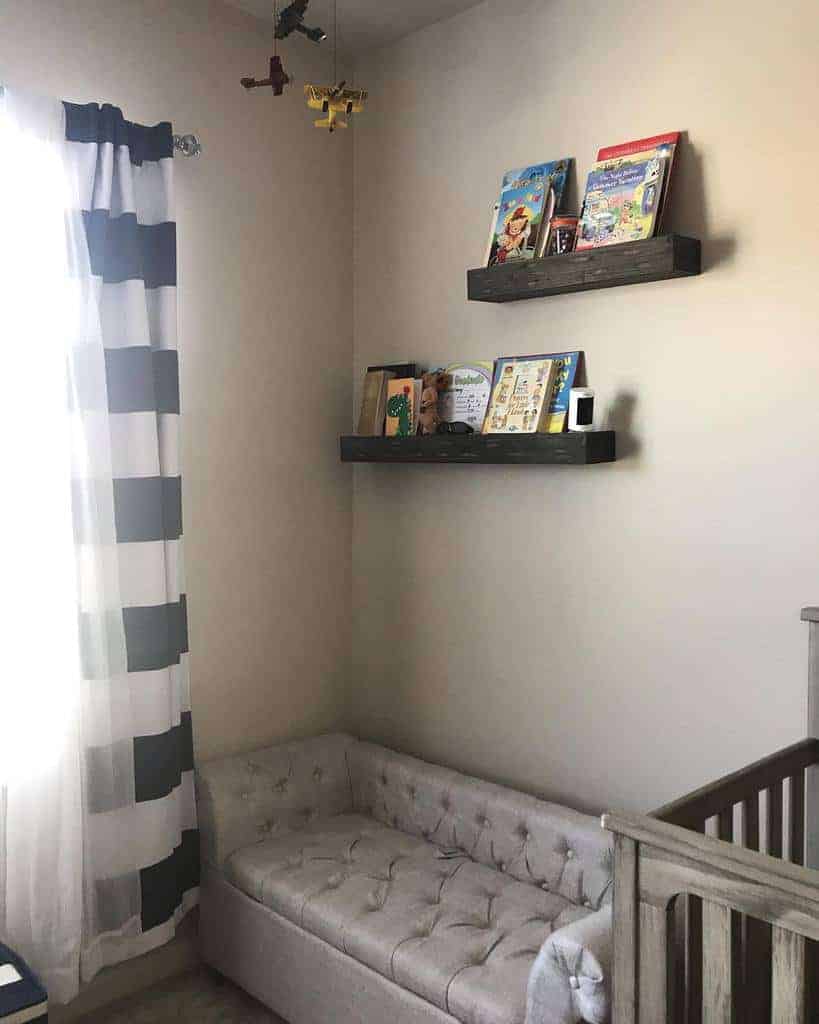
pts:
pixel 346 883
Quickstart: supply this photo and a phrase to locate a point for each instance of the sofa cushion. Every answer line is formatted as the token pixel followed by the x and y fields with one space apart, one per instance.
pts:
pixel 460 934
pixel 529 839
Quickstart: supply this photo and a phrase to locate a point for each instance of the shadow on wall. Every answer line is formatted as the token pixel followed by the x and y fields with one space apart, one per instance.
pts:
pixel 620 417
pixel 688 210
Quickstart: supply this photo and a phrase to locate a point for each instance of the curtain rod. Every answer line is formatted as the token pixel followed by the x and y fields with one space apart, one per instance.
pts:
pixel 187 145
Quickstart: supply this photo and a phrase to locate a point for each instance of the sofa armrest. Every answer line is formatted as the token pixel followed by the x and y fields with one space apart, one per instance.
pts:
pixel 245 799
pixel 570 980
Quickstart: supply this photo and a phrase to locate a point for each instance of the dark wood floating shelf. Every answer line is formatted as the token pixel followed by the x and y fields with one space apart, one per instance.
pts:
pixel 655 259
pixel 523 449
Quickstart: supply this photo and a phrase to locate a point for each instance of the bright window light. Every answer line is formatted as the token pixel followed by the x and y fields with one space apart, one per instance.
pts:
pixel 40 681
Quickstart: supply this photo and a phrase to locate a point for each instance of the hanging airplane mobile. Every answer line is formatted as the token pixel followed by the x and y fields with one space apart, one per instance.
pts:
pixel 277 79
pixel 291 20
pixel 333 100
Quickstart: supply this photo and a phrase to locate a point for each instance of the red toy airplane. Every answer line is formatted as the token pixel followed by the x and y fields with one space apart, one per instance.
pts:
pixel 277 81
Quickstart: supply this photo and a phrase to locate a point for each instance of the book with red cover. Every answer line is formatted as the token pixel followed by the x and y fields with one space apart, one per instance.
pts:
pixel 665 146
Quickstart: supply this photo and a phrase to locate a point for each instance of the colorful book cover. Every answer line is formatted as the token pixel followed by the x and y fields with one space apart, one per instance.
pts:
pixel 521 395
pixel 621 202
pixel 402 407
pixel 466 395
pixel 663 145
pixel 523 199
pixel 566 367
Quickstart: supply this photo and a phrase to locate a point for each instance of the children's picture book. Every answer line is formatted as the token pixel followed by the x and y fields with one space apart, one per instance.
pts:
pixel 621 202
pixel 522 205
pixel 665 146
pixel 487 255
pixel 567 365
pixel 403 407
pixel 522 391
pixel 466 395
pixel 373 403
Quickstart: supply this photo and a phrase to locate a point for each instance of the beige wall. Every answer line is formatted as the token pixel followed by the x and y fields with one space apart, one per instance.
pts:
pixel 611 635
pixel 264 222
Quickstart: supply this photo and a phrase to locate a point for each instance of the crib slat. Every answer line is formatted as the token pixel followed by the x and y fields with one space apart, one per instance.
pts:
pixel 789 990
pixel 725 831
pixel 694 1003
pixel 797 818
pixel 717 996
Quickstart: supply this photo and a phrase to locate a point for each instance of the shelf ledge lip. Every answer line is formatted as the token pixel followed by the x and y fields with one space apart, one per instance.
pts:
pixel 662 258
pixel 568 448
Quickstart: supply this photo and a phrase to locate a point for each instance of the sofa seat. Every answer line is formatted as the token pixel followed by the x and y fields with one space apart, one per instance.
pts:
pixel 460 934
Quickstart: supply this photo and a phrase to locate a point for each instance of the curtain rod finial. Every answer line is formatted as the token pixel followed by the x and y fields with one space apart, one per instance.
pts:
pixel 187 144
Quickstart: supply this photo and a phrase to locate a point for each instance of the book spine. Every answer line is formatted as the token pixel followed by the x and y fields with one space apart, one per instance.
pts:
pixel 545 224
pixel 638 146
pixel 488 251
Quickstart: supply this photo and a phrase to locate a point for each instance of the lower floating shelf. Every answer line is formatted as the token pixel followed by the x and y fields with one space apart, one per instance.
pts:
pixel 571 449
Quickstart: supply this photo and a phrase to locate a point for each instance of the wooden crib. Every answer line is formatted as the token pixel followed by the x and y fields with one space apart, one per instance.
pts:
pixel 716 920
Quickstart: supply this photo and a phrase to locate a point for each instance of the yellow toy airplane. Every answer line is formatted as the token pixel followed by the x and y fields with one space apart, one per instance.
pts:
pixel 333 100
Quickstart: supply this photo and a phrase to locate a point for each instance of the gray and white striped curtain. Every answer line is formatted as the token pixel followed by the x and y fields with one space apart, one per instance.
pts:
pixel 143 839
pixel 99 848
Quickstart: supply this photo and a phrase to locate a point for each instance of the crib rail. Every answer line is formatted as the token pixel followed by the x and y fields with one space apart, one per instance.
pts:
pixel 716 918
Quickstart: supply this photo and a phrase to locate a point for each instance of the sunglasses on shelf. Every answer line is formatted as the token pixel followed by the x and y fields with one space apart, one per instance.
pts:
pixel 455 428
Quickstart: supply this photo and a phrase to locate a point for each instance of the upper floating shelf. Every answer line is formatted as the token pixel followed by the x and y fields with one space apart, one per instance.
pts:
pixel 655 259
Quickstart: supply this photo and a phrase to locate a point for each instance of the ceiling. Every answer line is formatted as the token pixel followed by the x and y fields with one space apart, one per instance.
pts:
pixel 366 24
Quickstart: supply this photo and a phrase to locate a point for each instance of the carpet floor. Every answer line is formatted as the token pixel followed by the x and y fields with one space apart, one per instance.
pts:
pixel 200 997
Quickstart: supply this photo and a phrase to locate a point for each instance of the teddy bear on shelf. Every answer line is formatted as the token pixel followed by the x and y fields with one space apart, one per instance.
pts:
pixel 432 384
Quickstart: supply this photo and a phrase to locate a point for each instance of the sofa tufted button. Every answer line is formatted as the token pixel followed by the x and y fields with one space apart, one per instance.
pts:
pixel 502 866
pixel 573 982
pixel 318 773
pixel 545 886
